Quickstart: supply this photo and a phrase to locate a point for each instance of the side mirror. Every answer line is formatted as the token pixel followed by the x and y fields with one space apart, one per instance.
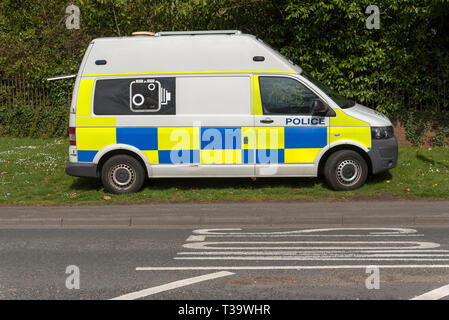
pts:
pixel 319 108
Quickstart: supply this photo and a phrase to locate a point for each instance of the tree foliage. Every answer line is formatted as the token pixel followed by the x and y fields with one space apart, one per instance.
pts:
pixel 401 69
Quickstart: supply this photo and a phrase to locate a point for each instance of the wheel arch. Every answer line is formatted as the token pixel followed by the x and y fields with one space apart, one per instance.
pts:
pixel 363 153
pixel 106 153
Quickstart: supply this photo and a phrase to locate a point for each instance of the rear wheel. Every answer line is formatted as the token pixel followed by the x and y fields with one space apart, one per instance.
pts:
pixel 122 174
pixel 345 170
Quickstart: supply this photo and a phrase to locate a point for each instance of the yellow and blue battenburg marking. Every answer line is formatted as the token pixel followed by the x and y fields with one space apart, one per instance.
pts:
pixel 300 143
pixel 209 145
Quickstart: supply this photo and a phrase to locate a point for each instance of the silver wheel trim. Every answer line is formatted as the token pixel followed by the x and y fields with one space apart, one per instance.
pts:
pixel 354 178
pixel 115 182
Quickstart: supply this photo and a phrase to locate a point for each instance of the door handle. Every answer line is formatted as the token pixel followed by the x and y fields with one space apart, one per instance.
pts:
pixel 267 121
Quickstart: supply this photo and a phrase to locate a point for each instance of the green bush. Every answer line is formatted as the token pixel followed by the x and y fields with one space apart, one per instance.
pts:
pixel 401 69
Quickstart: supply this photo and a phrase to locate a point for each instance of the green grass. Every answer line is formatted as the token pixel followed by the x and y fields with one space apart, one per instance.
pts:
pixel 32 172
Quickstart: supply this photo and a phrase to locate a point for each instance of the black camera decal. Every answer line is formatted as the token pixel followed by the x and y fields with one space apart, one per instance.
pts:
pixel 148 95
pixel 135 96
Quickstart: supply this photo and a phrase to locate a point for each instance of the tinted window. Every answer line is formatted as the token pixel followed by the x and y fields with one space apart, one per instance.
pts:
pixel 338 99
pixel 282 95
pixel 135 96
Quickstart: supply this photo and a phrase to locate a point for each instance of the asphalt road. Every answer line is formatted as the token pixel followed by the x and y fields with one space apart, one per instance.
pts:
pixel 260 250
pixel 242 263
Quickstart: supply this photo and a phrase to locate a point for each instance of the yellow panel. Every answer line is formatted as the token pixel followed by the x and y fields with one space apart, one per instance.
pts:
pixel 270 137
pixel 83 105
pixel 361 135
pixel 343 120
pixel 182 138
pixel 249 133
pixel 257 100
pixel 94 138
pixel 252 94
pixel 221 156
pixel 95 121
pixel 152 156
pixel 302 155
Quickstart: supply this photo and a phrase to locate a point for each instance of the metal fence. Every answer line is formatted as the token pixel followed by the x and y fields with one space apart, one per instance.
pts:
pixel 21 90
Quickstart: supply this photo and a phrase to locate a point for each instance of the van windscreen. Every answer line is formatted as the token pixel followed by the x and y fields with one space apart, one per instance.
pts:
pixel 341 101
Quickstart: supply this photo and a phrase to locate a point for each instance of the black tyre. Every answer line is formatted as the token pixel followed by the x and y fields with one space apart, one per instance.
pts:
pixel 122 174
pixel 345 170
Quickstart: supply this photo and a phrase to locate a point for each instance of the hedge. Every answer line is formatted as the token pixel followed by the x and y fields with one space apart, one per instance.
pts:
pixel 401 69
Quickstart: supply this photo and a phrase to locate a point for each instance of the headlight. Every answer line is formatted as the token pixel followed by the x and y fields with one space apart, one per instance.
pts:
pixel 382 132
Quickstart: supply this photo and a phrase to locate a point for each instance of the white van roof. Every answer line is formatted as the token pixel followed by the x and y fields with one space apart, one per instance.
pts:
pixel 184 52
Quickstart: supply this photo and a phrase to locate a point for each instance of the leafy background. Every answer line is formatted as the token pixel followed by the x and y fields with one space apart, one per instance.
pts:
pixel 402 69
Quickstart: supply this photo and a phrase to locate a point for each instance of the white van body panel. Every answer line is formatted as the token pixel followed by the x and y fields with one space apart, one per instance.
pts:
pixel 373 117
pixel 202 171
pixel 198 95
pixel 183 53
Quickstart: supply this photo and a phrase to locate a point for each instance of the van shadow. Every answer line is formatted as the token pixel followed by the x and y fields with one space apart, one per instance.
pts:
pixel 379 178
pixel 186 184
pixel 246 183
pixel 86 184
pixel 234 183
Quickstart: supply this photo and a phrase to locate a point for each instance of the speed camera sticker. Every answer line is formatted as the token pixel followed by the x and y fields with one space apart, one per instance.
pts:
pixel 148 95
pixel 135 96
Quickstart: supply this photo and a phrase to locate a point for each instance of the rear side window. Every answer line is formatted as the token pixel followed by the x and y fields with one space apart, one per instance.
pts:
pixel 135 96
pixel 285 96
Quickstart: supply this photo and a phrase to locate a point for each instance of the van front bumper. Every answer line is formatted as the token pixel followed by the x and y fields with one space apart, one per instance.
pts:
pixel 77 169
pixel 383 154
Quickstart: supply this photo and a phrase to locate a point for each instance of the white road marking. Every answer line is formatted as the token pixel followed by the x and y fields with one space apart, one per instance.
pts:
pixel 200 249
pixel 172 285
pixel 434 294
pixel 386 231
pixel 311 258
pixel 257 235
pixel 398 266
pixel 196 238
pixel 212 245
pixel 380 253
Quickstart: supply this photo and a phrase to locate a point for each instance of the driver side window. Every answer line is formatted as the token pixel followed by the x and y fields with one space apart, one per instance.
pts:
pixel 285 96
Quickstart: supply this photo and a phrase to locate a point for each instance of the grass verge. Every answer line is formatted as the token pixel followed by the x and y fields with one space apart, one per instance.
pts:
pixel 32 172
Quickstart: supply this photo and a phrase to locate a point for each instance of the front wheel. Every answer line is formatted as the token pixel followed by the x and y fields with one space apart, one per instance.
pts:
pixel 122 174
pixel 345 170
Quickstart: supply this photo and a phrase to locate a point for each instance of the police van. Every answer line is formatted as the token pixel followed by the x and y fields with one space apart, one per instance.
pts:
pixel 215 104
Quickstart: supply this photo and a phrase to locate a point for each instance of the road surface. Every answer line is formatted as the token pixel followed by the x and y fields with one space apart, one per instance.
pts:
pixel 233 251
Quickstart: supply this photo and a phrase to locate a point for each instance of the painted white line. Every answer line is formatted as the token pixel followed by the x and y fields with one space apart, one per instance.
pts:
pixel 434 294
pixel 284 258
pixel 221 245
pixel 398 266
pixel 196 238
pixel 385 231
pixel 315 253
pixel 172 285
pixel 238 235
pixel 425 250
